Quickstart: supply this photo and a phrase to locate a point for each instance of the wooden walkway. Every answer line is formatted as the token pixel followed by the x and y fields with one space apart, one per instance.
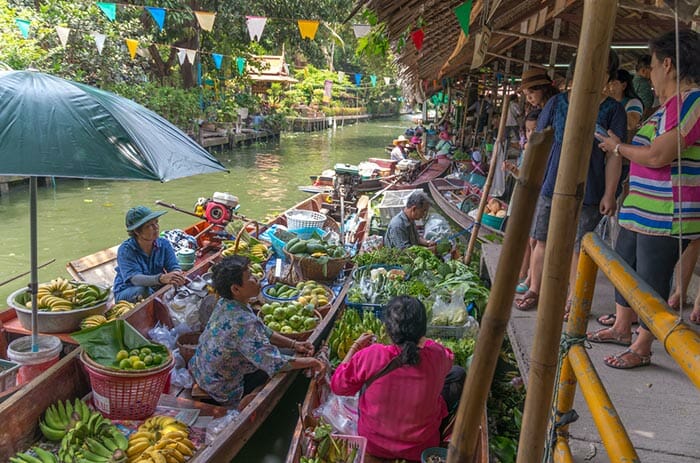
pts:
pixel 314 124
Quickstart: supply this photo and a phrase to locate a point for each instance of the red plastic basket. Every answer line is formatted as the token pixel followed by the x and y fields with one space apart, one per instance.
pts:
pixel 126 395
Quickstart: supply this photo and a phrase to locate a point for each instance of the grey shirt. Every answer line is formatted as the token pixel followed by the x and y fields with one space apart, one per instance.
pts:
pixel 401 232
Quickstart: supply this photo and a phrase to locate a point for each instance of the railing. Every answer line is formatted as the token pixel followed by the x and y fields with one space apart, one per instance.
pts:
pixel 681 342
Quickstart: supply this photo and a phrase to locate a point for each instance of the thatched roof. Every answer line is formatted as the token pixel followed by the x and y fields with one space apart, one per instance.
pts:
pixel 446 52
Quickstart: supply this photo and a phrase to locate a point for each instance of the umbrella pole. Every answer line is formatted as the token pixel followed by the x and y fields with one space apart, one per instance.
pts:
pixel 34 281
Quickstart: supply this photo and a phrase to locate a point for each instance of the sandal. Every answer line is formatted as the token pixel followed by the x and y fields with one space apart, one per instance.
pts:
pixel 521 288
pixel 611 338
pixel 607 320
pixel 528 301
pixel 627 360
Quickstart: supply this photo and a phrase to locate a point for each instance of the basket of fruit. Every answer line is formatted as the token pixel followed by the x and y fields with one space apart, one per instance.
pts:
pixel 62 304
pixel 292 319
pixel 312 292
pixel 316 259
pixel 280 292
pixel 246 245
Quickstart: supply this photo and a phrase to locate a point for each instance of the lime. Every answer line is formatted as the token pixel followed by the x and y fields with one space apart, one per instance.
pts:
pixel 125 364
pixel 134 352
pixel 139 365
pixel 157 359
pixel 134 359
pixel 142 356
pixel 146 351
pixel 121 355
pixel 148 360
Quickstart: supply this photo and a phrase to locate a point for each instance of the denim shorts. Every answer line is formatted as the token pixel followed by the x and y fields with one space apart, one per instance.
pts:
pixel 587 221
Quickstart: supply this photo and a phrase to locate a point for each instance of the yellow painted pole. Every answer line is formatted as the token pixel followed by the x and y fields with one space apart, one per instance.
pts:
pixel 562 452
pixel 591 71
pixel 680 341
pixel 612 432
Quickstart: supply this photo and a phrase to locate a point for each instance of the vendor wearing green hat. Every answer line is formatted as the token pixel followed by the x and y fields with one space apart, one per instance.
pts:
pixel 145 262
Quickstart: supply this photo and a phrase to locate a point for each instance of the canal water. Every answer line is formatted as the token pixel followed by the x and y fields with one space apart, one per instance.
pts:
pixel 80 217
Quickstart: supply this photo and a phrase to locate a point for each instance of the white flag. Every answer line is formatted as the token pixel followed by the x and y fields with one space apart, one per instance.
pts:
pixel 191 55
pixel 341 76
pixel 63 33
pixel 256 25
pixel 181 54
pixel 361 30
pixel 99 41
pixel 387 80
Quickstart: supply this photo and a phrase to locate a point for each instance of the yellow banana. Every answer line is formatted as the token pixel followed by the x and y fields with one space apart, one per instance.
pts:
pixel 157 456
pixel 142 435
pixel 137 448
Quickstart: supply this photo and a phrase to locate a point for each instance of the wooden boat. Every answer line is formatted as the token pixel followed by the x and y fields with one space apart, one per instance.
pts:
pixel 448 195
pixel 433 169
pixel 67 379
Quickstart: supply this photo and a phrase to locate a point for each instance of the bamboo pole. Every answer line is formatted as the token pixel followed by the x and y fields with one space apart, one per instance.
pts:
pixel 489 179
pixel 493 324
pixel 591 65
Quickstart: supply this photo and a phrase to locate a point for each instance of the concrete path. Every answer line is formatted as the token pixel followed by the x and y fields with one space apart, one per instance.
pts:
pixel 659 406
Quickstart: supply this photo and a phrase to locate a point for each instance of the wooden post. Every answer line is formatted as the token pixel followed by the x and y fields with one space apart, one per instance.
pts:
pixel 489 180
pixel 495 319
pixel 591 70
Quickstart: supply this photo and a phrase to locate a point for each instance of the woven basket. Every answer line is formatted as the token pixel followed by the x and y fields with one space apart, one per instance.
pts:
pixel 126 395
pixel 310 269
pixel 187 343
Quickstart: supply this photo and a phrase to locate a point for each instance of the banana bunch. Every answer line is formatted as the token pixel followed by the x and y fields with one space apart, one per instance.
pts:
pixel 87 295
pixel 260 251
pixel 42 456
pixel 61 417
pixel 160 439
pixel 60 295
pixel 96 440
pixel 119 309
pixel 92 321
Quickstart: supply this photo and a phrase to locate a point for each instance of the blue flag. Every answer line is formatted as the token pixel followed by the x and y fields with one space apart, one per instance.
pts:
pixel 217 59
pixel 158 15
pixel 373 79
pixel 23 26
pixel 358 78
pixel 109 9
pixel 240 64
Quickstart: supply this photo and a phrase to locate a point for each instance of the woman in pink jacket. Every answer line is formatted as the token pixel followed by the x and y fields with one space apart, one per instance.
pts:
pixel 406 388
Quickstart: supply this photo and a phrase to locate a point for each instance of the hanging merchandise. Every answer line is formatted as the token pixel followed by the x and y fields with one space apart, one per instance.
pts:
pixel 99 41
pixel 240 65
pixel 63 33
pixel 205 20
pixel 358 78
pixel 132 45
pixel 217 60
pixel 361 30
pixel 417 37
pixel 109 9
pixel 256 25
pixel 463 13
pixel 158 15
pixel 23 26
pixel 307 28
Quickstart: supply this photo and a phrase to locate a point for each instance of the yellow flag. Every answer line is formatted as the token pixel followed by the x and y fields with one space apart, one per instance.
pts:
pixel 307 28
pixel 205 19
pixel 132 45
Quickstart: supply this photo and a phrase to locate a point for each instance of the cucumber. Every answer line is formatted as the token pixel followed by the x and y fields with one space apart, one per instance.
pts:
pixel 292 242
pixel 297 248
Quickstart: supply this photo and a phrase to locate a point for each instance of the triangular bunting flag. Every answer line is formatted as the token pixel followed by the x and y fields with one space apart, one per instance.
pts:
pixel 240 65
pixel 341 77
pixel 23 26
pixel 205 20
pixel 132 45
pixel 387 80
pixel 217 59
pixel 361 30
pixel 463 13
pixel 109 9
pixel 256 25
pixel 181 55
pixel 99 41
pixel 307 28
pixel 417 36
pixel 158 15
pixel 191 55
pixel 358 78
pixel 63 33
pixel 373 80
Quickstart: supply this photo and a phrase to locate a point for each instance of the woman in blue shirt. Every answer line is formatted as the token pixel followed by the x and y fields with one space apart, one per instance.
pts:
pixel 145 262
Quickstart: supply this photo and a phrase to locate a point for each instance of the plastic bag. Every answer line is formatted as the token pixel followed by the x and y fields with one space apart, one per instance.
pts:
pixel 183 306
pixel 217 425
pixel 181 377
pixel 341 412
pixel 449 313
pixel 436 228
pixel 161 334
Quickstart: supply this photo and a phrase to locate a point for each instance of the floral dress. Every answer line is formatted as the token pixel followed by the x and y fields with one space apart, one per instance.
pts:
pixel 234 343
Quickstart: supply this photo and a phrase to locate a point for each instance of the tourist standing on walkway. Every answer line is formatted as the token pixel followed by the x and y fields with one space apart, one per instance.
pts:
pixel 642 82
pixel 664 192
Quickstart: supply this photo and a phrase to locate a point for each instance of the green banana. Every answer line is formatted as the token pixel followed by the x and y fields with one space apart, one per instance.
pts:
pixel 62 412
pixel 110 444
pixel 44 456
pixel 96 447
pixel 26 458
pixel 51 433
pixel 52 419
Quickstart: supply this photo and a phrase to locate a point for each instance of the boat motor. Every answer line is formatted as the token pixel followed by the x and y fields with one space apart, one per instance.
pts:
pixel 347 177
pixel 219 209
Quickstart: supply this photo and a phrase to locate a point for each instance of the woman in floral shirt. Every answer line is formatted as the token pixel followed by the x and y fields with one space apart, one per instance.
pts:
pixel 236 351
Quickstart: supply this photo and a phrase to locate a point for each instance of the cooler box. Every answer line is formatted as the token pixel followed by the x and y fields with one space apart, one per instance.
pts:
pixel 384 163
pixel 392 203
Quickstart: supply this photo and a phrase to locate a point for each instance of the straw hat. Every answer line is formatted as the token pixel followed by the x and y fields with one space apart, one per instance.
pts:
pixel 401 139
pixel 533 78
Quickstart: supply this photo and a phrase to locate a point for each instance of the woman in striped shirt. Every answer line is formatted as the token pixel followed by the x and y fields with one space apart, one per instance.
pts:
pixel 664 199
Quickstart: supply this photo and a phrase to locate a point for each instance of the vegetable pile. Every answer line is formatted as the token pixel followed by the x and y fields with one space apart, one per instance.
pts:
pixel 349 327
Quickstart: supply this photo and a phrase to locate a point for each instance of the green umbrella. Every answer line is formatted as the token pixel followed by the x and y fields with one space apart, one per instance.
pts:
pixel 57 128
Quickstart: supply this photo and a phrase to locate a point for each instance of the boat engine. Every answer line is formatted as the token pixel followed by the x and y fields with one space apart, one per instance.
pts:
pixel 347 177
pixel 407 168
pixel 218 209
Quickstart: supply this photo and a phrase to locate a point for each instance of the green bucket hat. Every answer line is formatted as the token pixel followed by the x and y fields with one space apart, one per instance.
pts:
pixel 140 215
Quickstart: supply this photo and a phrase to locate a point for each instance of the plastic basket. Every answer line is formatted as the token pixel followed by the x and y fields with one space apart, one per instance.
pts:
pixel 446 332
pixel 377 309
pixel 8 374
pixel 269 298
pixel 307 232
pixel 126 395
pixel 298 218
pixel 433 452
pixel 392 203
pixel 492 221
pixel 354 442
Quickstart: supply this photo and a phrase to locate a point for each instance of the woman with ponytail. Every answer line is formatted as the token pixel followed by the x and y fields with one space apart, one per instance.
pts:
pixel 406 388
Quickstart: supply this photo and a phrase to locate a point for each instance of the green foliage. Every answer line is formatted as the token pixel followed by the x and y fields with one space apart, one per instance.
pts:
pixel 178 105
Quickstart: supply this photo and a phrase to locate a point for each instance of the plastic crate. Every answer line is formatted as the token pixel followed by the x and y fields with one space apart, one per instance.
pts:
pixel 8 374
pixel 377 309
pixel 446 332
pixel 392 203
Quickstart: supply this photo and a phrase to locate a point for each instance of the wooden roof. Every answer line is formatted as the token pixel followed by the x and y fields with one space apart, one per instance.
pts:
pixel 269 68
pixel 446 52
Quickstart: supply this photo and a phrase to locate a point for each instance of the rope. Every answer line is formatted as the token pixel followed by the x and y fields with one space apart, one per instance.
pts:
pixel 557 418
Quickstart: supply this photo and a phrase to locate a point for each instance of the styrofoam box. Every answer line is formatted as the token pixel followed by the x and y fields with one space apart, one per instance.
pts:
pixel 392 203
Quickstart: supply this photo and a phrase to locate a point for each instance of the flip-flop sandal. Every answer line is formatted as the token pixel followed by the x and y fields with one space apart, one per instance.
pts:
pixel 521 288
pixel 528 301
pixel 622 364
pixel 607 319
pixel 613 338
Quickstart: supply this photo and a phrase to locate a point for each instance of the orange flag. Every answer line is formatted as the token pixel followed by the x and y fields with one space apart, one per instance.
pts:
pixel 132 45
pixel 307 28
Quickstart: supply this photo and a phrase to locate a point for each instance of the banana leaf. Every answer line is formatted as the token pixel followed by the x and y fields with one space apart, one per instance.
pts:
pixel 104 341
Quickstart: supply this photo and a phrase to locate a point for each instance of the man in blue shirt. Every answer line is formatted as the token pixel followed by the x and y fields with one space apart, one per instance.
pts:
pixel 145 261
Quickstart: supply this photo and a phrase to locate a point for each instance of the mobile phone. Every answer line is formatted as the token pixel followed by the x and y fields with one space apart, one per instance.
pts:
pixel 599 130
